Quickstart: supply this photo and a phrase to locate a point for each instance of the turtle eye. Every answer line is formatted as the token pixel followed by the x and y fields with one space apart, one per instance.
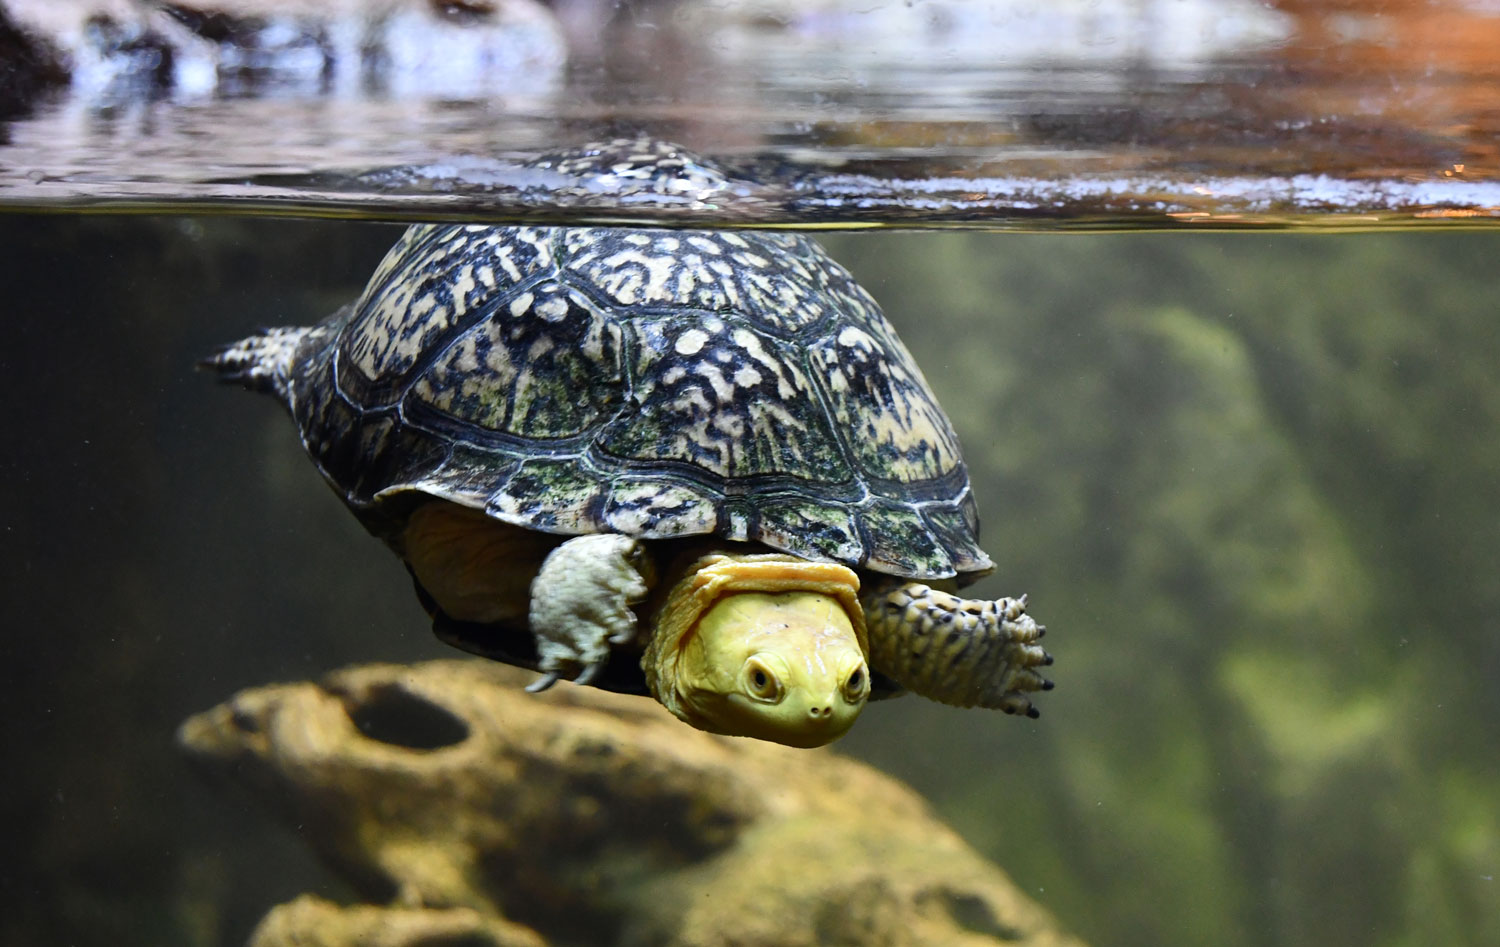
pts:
pixel 856 685
pixel 761 682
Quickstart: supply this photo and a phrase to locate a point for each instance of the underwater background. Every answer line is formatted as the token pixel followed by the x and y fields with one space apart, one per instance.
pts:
pixel 1250 483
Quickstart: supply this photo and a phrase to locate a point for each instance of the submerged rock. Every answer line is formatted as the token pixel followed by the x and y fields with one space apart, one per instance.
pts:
pixel 311 921
pixel 462 809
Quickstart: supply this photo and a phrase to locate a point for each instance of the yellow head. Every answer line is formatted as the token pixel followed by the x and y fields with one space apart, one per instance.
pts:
pixel 763 646
pixel 783 667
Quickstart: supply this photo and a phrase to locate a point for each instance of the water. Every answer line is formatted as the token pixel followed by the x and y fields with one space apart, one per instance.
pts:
pixel 1248 480
pixel 1077 115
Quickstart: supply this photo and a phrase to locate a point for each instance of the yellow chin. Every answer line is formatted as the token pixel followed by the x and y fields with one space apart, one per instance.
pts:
pixel 785 667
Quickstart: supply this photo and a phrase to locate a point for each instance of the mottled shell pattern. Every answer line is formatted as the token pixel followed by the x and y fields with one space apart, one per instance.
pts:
pixel 649 382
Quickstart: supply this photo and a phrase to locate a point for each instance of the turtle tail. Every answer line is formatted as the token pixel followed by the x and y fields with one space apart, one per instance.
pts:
pixel 262 362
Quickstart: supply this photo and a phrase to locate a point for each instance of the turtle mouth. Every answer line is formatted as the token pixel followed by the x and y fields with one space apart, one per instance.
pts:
pixel 818 724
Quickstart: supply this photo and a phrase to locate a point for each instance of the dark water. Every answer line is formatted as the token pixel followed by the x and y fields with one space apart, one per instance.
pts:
pixel 1248 481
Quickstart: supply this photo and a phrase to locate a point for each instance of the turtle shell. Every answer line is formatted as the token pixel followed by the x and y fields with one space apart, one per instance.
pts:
pixel 649 382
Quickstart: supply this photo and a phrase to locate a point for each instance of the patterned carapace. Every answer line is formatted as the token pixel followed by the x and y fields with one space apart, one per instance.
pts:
pixel 651 382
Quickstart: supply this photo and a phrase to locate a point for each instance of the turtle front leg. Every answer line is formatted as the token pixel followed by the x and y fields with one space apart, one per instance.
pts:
pixel 580 605
pixel 958 651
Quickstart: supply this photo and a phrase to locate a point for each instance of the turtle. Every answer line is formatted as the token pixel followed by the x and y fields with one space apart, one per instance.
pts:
pixel 698 465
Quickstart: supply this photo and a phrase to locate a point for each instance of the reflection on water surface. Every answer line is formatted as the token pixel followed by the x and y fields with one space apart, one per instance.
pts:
pixel 999 115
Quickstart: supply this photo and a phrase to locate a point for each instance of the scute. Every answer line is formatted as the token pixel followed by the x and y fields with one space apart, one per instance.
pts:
pixel 786 287
pixel 655 383
pixel 898 534
pixel 791 520
pixel 714 272
pixel 427 285
pixel 659 506
pixel 553 495
pixel 712 393
pixel 900 433
pixel 956 528
pixel 544 365
pixel 645 269
pixel 464 475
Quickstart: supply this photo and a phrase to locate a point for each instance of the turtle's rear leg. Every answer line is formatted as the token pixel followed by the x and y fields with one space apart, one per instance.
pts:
pixel 964 652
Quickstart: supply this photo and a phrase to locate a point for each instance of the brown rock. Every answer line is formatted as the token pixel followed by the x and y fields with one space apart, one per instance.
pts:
pixel 310 921
pixel 583 815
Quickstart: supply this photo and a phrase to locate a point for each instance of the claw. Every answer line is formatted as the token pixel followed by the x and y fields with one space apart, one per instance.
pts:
pixel 1015 702
pixel 543 682
pixel 1026 680
pixel 590 672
